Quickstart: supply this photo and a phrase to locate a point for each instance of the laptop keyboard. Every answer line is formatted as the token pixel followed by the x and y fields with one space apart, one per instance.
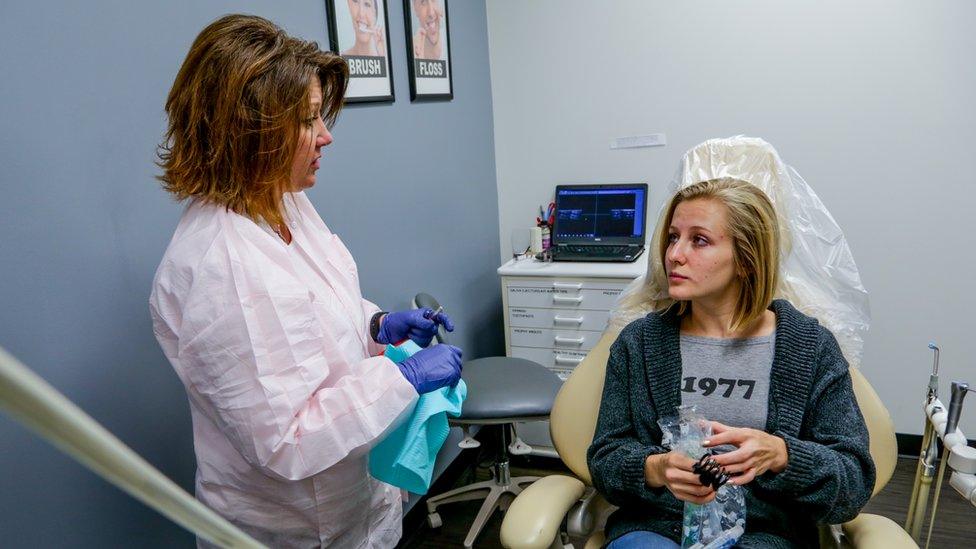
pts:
pixel 600 252
pixel 584 249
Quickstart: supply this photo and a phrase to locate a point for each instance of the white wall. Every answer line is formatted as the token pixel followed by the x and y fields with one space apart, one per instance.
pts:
pixel 872 102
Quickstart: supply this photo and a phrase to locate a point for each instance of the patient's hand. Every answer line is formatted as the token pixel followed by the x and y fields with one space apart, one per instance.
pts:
pixel 673 471
pixel 756 452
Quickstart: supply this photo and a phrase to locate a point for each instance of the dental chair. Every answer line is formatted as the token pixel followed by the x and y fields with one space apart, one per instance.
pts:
pixel 819 278
pixel 501 391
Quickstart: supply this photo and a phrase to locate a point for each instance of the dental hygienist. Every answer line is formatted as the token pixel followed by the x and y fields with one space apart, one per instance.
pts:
pixel 258 307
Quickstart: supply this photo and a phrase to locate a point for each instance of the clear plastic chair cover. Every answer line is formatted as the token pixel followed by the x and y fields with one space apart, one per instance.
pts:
pixel 818 273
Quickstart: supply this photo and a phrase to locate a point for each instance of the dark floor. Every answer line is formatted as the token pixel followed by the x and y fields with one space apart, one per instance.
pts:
pixel 954 521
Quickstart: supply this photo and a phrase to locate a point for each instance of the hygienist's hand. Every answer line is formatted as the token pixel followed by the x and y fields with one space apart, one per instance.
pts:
pixel 419 325
pixel 673 470
pixel 430 369
pixel 756 452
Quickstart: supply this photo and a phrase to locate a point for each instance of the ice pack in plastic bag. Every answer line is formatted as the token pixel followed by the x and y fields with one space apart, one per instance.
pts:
pixel 721 522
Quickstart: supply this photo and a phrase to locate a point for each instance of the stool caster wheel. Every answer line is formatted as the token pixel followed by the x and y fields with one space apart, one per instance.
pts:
pixel 434 520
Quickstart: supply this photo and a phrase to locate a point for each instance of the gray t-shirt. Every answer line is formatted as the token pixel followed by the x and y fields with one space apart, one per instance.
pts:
pixel 728 379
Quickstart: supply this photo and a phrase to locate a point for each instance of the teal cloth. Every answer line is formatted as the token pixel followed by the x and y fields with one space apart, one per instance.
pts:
pixel 405 458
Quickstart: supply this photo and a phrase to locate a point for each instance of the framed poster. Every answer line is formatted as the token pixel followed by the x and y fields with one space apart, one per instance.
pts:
pixel 359 32
pixel 428 49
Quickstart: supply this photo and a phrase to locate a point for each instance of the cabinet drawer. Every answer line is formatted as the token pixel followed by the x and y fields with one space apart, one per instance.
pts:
pixel 572 284
pixel 562 362
pixel 577 340
pixel 582 319
pixel 562 298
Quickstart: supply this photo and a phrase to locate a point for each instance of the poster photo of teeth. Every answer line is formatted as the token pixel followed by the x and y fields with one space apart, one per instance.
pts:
pixel 428 49
pixel 359 32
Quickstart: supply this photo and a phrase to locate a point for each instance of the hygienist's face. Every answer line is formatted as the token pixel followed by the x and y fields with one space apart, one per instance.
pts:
pixel 312 137
pixel 363 13
pixel 700 261
pixel 429 14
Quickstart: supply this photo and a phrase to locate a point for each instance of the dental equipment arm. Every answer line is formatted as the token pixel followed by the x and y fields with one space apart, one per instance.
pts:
pixel 925 469
pixel 956 452
pixel 33 402
pixel 962 460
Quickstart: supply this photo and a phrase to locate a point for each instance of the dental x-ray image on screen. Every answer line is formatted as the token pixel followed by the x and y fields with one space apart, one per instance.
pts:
pixel 599 222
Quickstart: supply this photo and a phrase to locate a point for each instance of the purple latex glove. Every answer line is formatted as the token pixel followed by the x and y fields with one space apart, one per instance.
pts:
pixel 420 325
pixel 432 368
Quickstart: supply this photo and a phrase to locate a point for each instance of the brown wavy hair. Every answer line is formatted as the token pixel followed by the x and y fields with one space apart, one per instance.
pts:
pixel 236 110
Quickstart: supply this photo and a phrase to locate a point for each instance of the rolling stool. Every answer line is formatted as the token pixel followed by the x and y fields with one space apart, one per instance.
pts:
pixel 501 391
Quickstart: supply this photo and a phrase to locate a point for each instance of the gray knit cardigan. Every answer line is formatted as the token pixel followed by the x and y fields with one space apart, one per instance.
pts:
pixel 829 475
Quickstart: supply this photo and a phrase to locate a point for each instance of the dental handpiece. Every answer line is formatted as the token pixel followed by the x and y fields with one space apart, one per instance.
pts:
pixel 430 314
pixel 933 391
pixel 441 332
pixel 959 390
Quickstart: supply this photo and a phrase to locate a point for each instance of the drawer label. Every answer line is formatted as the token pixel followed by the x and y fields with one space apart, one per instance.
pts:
pixel 557 353
pixel 526 331
pixel 514 290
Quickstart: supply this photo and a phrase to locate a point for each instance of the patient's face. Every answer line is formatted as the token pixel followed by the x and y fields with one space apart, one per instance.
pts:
pixel 700 261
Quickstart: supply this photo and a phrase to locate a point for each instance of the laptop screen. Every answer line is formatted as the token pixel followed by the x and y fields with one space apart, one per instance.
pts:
pixel 600 213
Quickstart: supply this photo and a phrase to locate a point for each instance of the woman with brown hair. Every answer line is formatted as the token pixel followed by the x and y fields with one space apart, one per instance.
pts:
pixel 257 304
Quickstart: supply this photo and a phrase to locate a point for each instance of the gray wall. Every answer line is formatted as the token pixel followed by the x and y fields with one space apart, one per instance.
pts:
pixel 870 101
pixel 409 187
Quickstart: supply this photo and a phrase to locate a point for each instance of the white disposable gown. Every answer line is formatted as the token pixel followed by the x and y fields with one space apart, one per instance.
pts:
pixel 286 393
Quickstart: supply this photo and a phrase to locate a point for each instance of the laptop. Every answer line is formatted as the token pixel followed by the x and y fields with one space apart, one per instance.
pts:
pixel 599 222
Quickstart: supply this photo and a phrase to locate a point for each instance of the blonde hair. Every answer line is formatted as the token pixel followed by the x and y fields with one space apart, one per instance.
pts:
pixel 755 234
pixel 235 112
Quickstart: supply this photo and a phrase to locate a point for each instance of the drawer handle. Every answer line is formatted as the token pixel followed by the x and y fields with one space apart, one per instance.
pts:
pixel 563 299
pixel 578 341
pixel 564 320
pixel 565 286
pixel 570 360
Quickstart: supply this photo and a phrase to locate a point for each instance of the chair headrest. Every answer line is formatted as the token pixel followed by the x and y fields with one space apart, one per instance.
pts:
pixel 818 273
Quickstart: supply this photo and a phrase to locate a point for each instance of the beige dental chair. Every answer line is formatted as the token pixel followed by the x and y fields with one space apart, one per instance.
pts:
pixel 534 519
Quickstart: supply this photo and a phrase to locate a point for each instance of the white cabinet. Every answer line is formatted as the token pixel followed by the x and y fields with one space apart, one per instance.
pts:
pixel 555 313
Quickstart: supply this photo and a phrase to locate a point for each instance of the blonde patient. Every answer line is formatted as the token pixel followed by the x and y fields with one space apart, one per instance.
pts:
pixel 773 381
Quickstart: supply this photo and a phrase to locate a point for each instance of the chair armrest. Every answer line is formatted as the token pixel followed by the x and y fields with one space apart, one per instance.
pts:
pixel 533 518
pixel 869 531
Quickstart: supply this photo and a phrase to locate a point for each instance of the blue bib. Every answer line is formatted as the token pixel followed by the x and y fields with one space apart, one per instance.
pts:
pixel 406 457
